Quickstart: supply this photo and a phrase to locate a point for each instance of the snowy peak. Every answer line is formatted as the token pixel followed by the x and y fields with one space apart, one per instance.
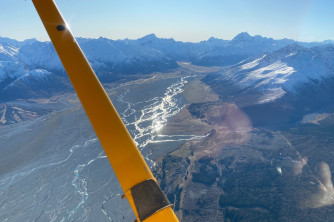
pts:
pixel 12 42
pixel 239 48
pixel 243 36
pixel 148 38
pixel 258 43
pixel 257 40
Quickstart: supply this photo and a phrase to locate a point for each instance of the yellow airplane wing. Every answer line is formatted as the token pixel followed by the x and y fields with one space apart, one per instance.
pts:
pixel 139 185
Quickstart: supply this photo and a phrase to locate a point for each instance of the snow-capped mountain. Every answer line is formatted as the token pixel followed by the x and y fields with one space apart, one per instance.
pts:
pixel 239 48
pixel 28 64
pixel 288 82
pixel 23 68
pixel 35 83
pixel 21 61
pixel 107 55
pixel 285 70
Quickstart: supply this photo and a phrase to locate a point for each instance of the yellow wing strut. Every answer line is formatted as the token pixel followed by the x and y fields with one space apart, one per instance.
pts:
pixel 139 185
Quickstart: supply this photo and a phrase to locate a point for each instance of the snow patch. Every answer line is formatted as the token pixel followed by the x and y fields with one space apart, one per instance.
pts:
pixel 9 50
pixel 32 76
pixel 271 95
pixel 252 64
pixel 291 54
pixel 274 74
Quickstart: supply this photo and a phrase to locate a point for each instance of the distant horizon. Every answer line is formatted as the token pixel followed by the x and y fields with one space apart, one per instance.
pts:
pixel 35 38
pixel 186 21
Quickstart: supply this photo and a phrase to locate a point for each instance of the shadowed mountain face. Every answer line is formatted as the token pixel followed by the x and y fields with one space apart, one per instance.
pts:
pixel 279 87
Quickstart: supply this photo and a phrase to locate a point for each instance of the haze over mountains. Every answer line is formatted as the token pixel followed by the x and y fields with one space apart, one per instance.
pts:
pixel 35 69
pixel 257 69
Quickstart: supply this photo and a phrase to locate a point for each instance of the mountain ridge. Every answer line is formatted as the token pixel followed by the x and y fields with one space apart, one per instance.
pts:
pixel 281 86
pixel 112 59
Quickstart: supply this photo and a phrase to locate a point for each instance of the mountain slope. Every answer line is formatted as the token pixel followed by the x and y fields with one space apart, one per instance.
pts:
pixel 294 80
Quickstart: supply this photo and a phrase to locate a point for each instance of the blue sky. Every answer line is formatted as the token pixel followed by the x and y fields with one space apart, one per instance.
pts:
pixel 184 20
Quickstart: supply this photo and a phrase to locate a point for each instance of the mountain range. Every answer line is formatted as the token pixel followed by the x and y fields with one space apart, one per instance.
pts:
pixel 32 68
